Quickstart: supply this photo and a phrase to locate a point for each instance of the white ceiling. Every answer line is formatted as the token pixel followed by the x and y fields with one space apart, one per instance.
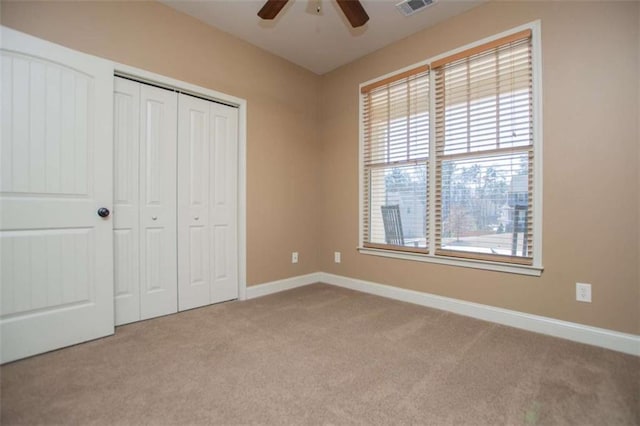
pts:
pixel 318 42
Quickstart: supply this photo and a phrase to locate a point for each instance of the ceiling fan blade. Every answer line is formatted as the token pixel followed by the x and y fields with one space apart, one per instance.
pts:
pixel 271 8
pixel 354 12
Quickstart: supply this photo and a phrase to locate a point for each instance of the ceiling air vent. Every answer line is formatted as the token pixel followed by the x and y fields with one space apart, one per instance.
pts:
pixel 409 7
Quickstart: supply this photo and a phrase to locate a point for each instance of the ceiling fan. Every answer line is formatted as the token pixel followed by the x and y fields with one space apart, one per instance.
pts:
pixel 352 9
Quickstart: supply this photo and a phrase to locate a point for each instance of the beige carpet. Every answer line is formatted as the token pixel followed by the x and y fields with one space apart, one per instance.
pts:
pixel 321 354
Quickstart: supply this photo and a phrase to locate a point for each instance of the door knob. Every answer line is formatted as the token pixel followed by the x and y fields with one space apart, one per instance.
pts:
pixel 103 212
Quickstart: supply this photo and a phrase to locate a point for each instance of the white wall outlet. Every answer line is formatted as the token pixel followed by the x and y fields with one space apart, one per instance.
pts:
pixel 583 292
pixel 336 257
pixel 294 257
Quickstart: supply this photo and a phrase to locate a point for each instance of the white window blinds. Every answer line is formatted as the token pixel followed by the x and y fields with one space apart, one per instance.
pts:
pixel 395 161
pixel 484 152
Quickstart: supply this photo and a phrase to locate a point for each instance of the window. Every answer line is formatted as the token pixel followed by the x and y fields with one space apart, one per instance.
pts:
pixel 395 158
pixel 449 158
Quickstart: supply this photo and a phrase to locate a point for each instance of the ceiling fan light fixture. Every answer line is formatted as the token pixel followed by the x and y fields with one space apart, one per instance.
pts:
pixel 352 9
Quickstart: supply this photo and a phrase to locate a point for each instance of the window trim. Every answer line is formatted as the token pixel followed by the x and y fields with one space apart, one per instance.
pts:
pixel 536 268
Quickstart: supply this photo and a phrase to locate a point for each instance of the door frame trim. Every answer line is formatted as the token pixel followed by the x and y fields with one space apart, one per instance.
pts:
pixel 144 76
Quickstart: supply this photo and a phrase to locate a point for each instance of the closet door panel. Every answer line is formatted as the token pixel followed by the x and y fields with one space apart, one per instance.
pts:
pixel 126 229
pixel 194 256
pixel 158 251
pixel 224 201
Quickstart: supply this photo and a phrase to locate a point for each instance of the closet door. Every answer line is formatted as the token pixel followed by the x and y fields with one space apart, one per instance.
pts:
pixel 224 202
pixel 207 200
pixel 145 201
pixel 126 200
pixel 158 247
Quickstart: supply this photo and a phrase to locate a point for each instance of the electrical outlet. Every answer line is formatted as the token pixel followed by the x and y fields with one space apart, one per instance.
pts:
pixel 583 292
pixel 336 257
pixel 294 257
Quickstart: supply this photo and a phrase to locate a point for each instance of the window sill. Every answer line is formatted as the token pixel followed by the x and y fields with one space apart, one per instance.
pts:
pixel 465 263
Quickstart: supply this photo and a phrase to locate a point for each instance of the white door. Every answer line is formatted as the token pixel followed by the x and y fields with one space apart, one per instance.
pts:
pixel 56 275
pixel 207 202
pixel 145 201
pixel 126 200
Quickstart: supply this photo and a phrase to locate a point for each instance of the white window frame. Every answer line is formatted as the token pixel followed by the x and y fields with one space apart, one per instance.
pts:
pixel 536 268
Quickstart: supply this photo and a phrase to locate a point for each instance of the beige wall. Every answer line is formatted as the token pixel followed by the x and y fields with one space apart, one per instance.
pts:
pixel 303 144
pixel 590 110
pixel 282 148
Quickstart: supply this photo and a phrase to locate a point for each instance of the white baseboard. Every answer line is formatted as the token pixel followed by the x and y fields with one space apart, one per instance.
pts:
pixel 281 285
pixel 609 339
pixel 621 342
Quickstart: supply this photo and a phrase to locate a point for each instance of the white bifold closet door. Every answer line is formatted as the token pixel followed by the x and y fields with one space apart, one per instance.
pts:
pixel 175 201
pixel 145 248
pixel 207 202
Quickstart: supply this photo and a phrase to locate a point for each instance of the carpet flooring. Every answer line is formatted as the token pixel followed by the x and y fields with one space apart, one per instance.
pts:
pixel 322 355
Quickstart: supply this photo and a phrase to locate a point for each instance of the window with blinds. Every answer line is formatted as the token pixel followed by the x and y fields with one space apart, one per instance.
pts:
pixel 482 153
pixel 395 160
